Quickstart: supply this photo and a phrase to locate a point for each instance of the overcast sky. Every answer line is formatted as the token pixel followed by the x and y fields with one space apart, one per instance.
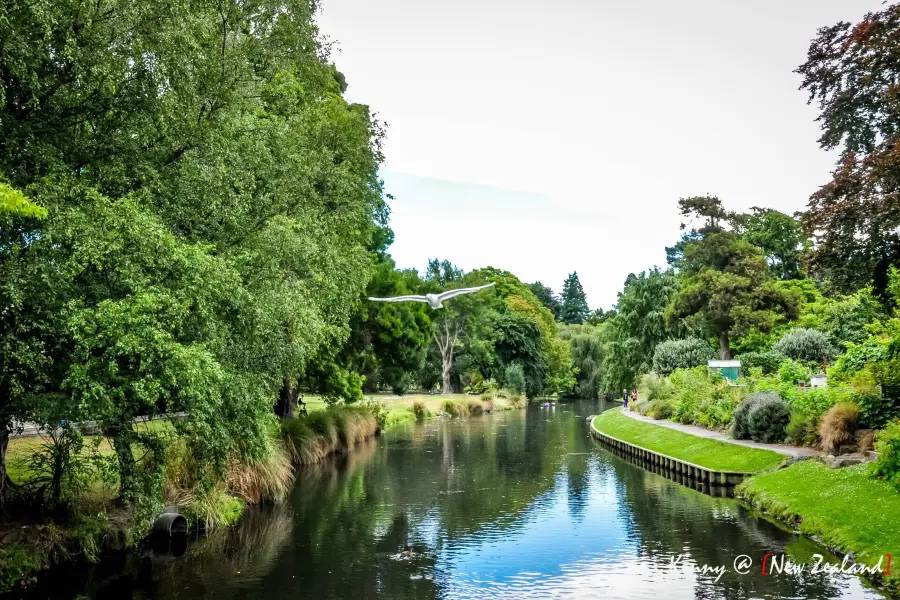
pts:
pixel 545 138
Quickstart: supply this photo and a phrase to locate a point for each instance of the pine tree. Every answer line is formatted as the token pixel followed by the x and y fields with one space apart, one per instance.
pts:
pixel 574 302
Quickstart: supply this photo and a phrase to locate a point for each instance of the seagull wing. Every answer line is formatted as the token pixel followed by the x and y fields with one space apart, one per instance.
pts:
pixel 459 291
pixel 401 299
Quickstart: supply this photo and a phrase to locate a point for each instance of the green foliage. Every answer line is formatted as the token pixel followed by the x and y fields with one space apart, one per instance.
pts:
pixel 574 309
pixel 659 409
pixel 808 345
pixel 419 409
pixel 803 429
pixel 15 203
pixel 587 350
pixel 768 362
pixel 637 328
pixel 547 297
pixel 792 371
pixel 658 388
pixel 887 444
pixel 780 237
pixel 769 418
pixel 741 428
pixel 378 409
pixel 514 379
pixel 681 354
pixel 727 290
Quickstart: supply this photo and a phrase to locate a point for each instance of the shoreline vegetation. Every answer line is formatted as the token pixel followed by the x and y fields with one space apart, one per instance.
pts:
pixel 27 548
pixel 846 509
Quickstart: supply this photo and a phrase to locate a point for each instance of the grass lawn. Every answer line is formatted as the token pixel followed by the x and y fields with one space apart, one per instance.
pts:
pixel 711 454
pixel 845 508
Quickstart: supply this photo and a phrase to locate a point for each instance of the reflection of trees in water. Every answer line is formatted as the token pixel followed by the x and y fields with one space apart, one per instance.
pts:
pixel 667 519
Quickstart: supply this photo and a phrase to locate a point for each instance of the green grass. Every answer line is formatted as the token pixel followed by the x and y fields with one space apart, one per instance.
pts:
pixel 845 508
pixel 712 454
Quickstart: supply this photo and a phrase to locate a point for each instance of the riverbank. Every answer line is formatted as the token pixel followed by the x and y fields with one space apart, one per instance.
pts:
pixel 32 540
pixel 844 509
pixel 709 453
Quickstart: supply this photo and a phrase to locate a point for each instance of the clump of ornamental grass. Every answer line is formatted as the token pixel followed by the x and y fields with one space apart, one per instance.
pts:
pixel 419 409
pixel 475 408
pixel 838 426
pixel 452 409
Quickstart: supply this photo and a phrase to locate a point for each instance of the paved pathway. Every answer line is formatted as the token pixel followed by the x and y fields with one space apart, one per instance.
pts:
pixel 793 451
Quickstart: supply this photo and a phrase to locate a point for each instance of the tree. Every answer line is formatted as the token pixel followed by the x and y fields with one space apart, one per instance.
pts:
pixel 702 216
pixel 637 328
pixel 211 200
pixel 587 348
pixel 780 237
pixel 547 297
pixel 727 290
pixel 574 308
pixel 851 70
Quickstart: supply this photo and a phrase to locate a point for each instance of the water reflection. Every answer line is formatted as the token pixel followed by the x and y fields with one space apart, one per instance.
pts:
pixel 514 505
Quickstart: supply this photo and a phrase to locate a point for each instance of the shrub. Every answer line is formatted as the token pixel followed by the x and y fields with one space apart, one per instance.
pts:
pixel 762 417
pixel 681 354
pixel 487 397
pixel 516 401
pixel 805 345
pixel 875 411
pixel 515 378
pixel 377 409
pixel 715 414
pixel 887 444
pixel 451 408
pixel 838 426
pixel 792 371
pixel 658 388
pixel 475 408
pixel 659 409
pixel 419 409
pixel 803 429
pixel 768 420
pixel 767 362
pixel 692 390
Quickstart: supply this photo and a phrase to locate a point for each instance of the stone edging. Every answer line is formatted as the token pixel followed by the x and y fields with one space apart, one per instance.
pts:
pixel 711 476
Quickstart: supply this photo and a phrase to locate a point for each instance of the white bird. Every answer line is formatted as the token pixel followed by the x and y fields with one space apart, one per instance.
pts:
pixel 434 300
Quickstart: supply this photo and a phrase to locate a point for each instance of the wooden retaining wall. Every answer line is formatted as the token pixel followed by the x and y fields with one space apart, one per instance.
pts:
pixel 686 473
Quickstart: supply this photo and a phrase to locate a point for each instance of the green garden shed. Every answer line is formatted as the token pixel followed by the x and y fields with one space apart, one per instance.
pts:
pixel 730 369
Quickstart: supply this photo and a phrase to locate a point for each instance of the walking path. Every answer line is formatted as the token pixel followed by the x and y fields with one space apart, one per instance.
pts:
pixel 792 451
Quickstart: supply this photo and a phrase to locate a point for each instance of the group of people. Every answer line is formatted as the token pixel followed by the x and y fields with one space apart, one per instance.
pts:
pixel 633 396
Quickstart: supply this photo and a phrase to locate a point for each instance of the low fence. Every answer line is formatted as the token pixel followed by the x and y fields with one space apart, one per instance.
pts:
pixel 709 481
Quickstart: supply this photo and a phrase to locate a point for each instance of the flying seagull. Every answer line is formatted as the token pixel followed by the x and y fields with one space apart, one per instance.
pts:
pixel 434 300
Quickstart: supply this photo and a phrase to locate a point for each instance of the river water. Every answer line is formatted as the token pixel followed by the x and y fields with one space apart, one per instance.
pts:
pixel 515 505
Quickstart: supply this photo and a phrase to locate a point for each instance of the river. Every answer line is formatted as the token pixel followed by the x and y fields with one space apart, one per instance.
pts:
pixel 514 505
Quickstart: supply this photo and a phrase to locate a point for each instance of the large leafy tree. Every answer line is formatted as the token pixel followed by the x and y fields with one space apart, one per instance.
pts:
pixel 211 198
pixel 780 236
pixel 587 347
pixel 574 310
pixel 547 297
pixel 851 71
pixel 727 290
pixel 638 326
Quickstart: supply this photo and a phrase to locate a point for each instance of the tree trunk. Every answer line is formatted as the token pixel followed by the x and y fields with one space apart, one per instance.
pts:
pixel 724 346
pixel 447 359
pixel 287 399
pixel 4 443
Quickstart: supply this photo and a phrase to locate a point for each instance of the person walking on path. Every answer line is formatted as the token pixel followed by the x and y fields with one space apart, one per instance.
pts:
pixel 625 397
